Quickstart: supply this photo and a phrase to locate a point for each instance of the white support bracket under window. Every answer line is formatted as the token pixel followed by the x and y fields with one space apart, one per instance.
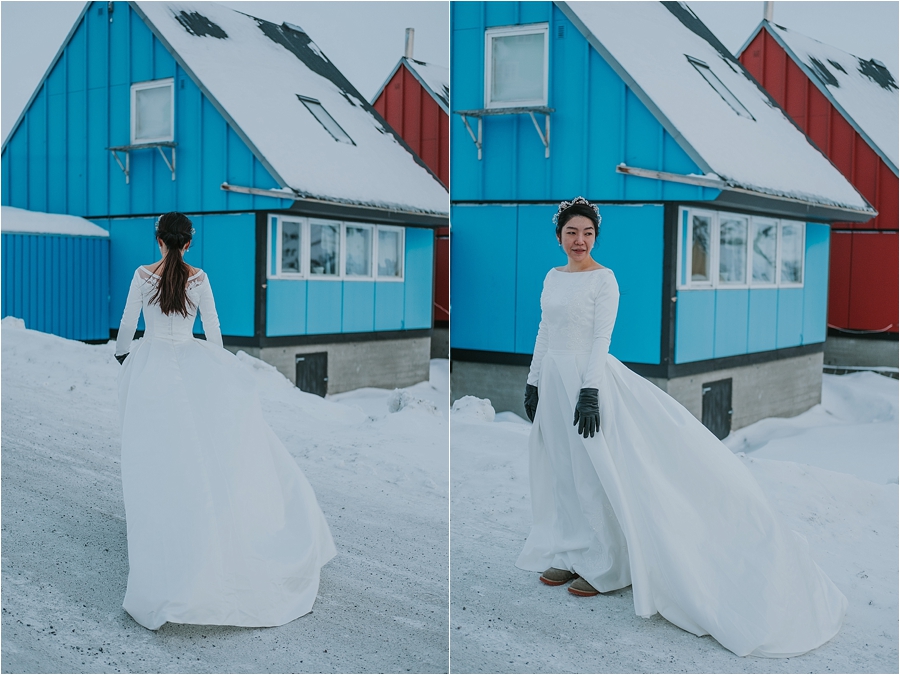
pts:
pixel 531 111
pixel 126 150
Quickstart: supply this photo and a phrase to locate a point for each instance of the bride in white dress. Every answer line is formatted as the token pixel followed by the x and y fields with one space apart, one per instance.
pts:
pixel 223 527
pixel 641 493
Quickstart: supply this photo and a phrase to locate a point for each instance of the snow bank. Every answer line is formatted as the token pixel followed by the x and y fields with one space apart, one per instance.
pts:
pixel 473 409
pixel 35 222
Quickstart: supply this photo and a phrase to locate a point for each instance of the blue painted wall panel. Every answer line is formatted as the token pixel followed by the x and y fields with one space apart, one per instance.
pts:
pixel 388 305
pixel 285 307
pixel 228 245
pixel 132 243
pixel 37 167
pixel 418 273
pixel 537 250
pixel 323 313
pixel 57 283
pixel 483 280
pixel 358 307
pixel 695 322
pixel 790 318
pixel 732 316
pixel 815 286
pixel 762 319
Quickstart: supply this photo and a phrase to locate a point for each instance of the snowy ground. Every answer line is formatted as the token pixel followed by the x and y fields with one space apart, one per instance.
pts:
pixel 831 472
pixel 380 477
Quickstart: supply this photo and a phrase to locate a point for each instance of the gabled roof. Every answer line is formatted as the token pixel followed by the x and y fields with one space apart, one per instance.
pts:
pixel 255 72
pixel 648 45
pixel 434 79
pixel 863 91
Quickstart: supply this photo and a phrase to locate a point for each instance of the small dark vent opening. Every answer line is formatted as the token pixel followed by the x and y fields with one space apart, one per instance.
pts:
pixel 197 24
pixel 561 31
pixel 876 72
pixel 822 72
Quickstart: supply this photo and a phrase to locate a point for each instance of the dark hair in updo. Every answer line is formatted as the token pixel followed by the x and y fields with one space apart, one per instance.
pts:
pixel 577 210
pixel 174 230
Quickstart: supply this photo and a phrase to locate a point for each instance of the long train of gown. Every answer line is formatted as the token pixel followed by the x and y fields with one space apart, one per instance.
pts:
pixel 654 499
pixel 223 527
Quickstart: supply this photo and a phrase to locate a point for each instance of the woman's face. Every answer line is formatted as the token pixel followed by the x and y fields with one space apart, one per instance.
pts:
pixel 577 238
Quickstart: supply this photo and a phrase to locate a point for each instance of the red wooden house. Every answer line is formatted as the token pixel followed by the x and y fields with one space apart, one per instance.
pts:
pixel 415 101
pixel 848 107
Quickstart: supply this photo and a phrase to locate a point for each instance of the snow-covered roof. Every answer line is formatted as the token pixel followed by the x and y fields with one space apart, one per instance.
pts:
pixel 255 72
pixel 648 45
pixel 863 90
pixel 35 222
pixel 434 79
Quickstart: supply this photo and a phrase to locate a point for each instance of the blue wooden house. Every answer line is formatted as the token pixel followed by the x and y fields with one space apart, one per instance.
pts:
pixel 715 206
pixel 314 220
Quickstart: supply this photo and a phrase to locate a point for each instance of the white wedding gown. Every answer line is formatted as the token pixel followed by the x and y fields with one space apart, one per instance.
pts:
pixel 223 527
pixel 654 499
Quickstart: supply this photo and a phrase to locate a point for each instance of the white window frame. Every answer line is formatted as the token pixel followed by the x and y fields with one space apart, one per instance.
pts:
pixel 781 225
pixel 687 245
pixel 153 84
pixel 402 231
pixel 718 244
pixel 528 29
pixel 372 259
pixel 305 274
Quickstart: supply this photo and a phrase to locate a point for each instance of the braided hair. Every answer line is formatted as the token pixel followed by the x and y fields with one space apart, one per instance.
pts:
pixel 174 230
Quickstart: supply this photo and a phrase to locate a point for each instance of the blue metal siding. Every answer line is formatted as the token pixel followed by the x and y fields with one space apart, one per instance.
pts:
pixel 57 284
pixel 695 322
pixel 790 318
pixel 388 305
pixel 323 310
pixel 598 123
pixel 483 278
pixel 419 270
pixel 57 158
pixel 359 307
pixel 815 297
pixel 762 319
pixel 286 307
pixel 537 250
pixel 732 311
pixel 226 245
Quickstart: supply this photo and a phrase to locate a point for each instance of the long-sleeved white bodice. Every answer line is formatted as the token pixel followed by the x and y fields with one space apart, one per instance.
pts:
pixel 578 312
pixel 173 326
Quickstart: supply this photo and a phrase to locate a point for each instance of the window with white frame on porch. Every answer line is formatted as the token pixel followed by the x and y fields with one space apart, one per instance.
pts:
pixel 321 249
pixel 153 111
pixel 720 249
pixel 516 64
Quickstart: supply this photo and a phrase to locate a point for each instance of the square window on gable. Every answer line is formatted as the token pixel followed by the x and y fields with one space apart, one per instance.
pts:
pixel 516 66
pixel 720 88
pixel 153 111
pixel 325 120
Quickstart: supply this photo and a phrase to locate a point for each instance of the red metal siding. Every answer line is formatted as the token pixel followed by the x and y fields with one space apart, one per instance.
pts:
pixel 864 265
pixel 419 120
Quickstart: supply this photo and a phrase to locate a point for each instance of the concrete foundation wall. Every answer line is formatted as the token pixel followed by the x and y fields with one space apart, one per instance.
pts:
pixel 372 363
pixel 782 388
pixel 847 351
pixel 440 343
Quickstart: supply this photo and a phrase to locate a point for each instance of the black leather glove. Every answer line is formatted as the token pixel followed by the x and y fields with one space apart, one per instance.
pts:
pixel 587 413
pixel 531 401
pixel 121 358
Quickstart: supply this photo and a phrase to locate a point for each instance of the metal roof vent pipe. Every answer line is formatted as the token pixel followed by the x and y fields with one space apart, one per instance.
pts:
pixel 768 11
pixel 410 41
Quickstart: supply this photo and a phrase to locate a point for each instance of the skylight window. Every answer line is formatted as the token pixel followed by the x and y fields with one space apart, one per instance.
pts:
pixel 325 120
pixel 720 88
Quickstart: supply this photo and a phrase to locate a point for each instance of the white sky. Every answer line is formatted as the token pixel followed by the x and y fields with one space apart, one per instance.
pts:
pixel 365 39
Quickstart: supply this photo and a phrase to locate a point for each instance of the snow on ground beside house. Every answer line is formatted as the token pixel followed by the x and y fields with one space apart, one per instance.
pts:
pixel 258 80
pixel 504 620
pixel 767 154
pixel 380 478
pixel 869 99
pixel 34 222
